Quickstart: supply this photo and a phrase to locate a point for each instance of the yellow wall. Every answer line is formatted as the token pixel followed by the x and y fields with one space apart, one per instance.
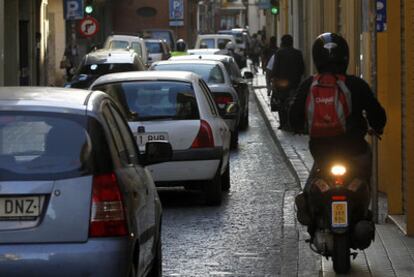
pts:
pixel 389 94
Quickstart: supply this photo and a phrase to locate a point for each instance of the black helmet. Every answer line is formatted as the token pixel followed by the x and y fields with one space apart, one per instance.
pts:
pixel 330 53
pixel 180 45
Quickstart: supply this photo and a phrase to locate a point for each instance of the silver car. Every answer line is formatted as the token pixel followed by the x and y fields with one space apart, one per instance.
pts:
pixel 75 197
pixel 219 82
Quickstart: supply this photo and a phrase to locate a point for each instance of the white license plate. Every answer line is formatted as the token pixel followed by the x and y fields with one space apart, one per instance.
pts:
pixel 339 214
pixel 143 138
pixel 20 207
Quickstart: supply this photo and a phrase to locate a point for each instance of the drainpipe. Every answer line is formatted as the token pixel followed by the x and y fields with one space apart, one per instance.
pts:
pixel 374 180
pixel 2 23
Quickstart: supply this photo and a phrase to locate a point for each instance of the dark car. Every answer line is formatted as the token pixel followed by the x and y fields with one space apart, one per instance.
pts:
pixel 166 35
pixel 102 62
pixel 86 203
pixel 240 83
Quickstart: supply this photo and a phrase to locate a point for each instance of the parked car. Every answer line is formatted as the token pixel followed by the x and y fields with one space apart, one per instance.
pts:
pixel 132 42
pixel 102 62
pixel 158 50
pixel 176 107
pixel 240 84
pixel 218 80
pixel 166 35
pixel 76 199
pixel 213 40
pixel 242 36
pixel 203 51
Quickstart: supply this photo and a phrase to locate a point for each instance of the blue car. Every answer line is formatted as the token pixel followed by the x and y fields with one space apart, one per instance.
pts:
pixel 75 196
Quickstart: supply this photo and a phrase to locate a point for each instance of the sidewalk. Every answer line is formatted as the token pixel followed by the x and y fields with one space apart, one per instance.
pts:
pixel 391 254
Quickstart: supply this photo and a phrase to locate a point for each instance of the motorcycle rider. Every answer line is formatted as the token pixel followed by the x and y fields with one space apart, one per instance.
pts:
pixel 181 48
pixel 330 54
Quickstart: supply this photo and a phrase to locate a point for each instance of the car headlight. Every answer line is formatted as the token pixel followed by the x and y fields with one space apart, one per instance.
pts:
pixel 338 170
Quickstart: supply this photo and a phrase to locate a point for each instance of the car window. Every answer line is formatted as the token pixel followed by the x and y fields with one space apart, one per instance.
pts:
pixel 163 35
pixel 126 135
pixel 101 69
pixel 115 134
pixel 210 100
pixel 43 145
pixel 208 42
pixel 136 46
pixel 150 100
pixel 118 44
pixel 223 41
pixel 211 73
pixel 154 47
pixel 234 68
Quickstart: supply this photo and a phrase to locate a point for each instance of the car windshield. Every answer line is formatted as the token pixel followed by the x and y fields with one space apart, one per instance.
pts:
pixel 118 44
pixel 42 145
pixel 105 68
pixel 211 73
pixel 152 100
pixel 207 43
pixel 154 47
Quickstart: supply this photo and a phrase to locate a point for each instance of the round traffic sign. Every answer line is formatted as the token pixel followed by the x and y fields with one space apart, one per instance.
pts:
pixel 88 26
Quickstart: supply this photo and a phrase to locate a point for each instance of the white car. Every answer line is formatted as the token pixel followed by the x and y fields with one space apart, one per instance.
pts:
pixel 176 107
pixel 203 51
pixel 134 43
pixel 213 41
pixel 219 82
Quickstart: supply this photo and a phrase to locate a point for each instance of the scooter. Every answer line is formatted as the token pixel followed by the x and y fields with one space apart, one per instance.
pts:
pixel 340 218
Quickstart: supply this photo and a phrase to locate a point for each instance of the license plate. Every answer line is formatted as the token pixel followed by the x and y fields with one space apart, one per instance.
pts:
pixel 143 138
pixel 339 214
pixel 20 207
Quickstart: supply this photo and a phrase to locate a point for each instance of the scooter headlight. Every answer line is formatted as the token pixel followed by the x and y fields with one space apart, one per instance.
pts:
pixel 338 170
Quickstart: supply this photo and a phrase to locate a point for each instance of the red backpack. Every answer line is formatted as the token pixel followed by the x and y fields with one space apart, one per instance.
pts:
pixel 328 105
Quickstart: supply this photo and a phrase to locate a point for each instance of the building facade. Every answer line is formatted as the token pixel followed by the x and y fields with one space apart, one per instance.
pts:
pixel 382 53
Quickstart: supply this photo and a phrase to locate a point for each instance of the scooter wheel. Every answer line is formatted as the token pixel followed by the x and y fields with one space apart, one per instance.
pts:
pixel 341 254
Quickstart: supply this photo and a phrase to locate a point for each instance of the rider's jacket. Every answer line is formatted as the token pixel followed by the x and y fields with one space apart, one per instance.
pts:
pixel 365 110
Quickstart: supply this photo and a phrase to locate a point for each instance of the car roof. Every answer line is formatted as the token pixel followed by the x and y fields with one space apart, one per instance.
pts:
pixel 182 76
pixel 202 57
pixel 186 61
pixel 125 37
pixel 154 40
pixel 45 96
pixel 215 36
pixel 103 56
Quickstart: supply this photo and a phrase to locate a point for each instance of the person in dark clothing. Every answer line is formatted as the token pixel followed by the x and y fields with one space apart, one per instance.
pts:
pixel 286 75
pixel 331 56
pixel 267 54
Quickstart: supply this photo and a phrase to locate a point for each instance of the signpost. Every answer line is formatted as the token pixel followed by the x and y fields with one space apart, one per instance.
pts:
pixel 88 26
pixel 176 12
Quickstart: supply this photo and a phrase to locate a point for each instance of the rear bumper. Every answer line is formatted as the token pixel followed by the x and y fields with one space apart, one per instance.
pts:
pixel 96 257
pixel 189 165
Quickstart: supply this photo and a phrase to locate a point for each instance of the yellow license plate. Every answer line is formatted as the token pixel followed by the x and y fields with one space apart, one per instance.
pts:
pixel 339 214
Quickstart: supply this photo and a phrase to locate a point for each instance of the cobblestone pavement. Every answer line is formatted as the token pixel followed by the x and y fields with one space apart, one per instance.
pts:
pixel 253 232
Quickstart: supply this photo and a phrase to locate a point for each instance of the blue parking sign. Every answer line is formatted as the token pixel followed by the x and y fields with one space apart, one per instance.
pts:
pixel 381 15
pixel 176 10
pixel 73 9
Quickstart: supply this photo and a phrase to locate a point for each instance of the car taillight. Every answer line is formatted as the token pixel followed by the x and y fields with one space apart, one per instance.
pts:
pixel 204 137
pixel 107 213
pixel 223 100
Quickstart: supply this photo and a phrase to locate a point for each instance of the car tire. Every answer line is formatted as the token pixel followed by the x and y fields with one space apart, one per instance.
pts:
pixel 156 270
pixel 234 139
pixel 225 179
pixel 212 190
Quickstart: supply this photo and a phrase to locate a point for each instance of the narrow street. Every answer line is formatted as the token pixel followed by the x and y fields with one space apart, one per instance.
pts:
pixel 253 232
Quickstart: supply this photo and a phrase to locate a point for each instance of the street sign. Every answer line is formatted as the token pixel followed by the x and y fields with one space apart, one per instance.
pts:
pixel 73 9
pixel 381 15
pixel 176 10
pixel 88 26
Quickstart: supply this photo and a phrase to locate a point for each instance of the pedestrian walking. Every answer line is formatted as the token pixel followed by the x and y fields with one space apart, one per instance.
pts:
pixel 286 75
pixel 267 61
pixel 68 61
pixel 255 52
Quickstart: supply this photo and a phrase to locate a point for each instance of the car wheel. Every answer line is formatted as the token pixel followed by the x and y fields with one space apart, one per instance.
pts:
pixel 225 179
pixel 234 139
pixel 212 190
pixel 156 270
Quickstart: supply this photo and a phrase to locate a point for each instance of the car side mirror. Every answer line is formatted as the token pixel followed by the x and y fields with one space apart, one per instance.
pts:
pixel 232 108
pixel 157 152
pixel 248 75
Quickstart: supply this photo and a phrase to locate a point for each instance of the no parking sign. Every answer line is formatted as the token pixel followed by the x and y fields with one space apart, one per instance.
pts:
pixel 88 26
